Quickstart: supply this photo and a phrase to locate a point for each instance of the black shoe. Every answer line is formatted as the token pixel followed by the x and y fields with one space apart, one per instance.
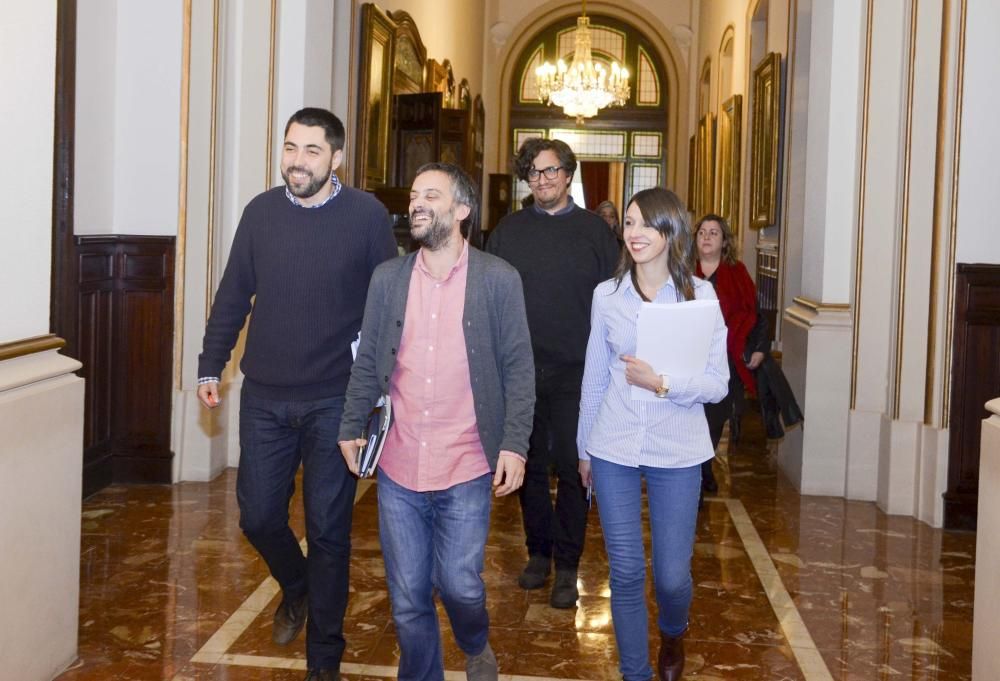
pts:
pixel 564 593
pixel 535 572
pixel 323 675
pixel 289 619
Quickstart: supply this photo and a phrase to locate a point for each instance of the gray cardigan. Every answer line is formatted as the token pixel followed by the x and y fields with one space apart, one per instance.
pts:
pixel 497 342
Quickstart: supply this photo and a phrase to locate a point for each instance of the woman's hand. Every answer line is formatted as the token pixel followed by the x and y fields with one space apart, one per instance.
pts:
pixel 755 360
pixel 638 372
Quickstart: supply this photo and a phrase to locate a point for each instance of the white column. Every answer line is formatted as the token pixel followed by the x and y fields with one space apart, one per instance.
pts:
pixel 986 616
pixel 816 336
pixel 879 236
pixel 227 167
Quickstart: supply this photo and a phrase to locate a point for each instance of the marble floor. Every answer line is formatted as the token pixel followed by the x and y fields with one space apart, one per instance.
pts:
pixel 786 588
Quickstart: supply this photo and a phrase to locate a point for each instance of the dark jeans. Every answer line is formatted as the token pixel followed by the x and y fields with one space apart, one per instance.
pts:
pixel 275 436
pixel 558 531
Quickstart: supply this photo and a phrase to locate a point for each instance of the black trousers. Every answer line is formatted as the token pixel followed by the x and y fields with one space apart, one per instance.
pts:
pixel 555 530
pixel 718 413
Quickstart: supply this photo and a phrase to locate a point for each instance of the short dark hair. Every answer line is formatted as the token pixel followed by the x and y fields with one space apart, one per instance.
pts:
pixel 465 191
pixel 320 118
pixel 533 146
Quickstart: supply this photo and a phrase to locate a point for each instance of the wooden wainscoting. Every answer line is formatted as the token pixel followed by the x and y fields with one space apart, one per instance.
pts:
pixel 975 379
pixel 125 328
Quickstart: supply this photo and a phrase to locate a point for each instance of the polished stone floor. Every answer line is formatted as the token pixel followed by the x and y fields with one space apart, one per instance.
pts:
pixel 786 588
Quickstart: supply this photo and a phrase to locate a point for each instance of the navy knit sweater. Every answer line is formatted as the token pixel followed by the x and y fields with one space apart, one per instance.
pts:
pixel 561 259
pixel 307 271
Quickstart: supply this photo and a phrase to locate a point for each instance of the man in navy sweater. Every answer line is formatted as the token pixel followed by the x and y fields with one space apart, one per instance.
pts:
pixel 303 254
pixel 562 252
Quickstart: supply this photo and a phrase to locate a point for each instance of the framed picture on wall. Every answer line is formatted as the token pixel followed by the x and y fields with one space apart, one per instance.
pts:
pixel 727 188
pixel 765 142
pixel 691 194
pixel 704 166
pixel 375 90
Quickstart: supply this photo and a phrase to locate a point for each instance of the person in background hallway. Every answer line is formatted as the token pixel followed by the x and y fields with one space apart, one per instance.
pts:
pixel 714 259
pixel 622 441
pixel 562 252
pixel 446 336
pixel 303 253
pixel 609 213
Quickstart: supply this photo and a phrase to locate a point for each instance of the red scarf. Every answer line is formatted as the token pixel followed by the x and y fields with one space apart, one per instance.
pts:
pixel 737 298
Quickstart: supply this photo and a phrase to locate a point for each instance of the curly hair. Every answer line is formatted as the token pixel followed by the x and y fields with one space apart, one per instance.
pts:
pixel 533 146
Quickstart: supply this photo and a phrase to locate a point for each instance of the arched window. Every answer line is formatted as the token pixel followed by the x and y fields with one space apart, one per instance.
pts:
pixel 629 139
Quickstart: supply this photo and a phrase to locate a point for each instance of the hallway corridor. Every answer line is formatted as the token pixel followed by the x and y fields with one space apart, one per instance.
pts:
pixel 786 588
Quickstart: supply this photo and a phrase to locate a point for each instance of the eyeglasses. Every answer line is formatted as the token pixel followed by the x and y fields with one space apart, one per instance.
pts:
pixel 550 173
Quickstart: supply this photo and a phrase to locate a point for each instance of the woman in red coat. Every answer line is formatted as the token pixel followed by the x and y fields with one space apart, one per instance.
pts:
pixel 714 256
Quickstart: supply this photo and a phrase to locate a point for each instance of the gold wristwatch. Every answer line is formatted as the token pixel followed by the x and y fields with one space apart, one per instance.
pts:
pixel 664 387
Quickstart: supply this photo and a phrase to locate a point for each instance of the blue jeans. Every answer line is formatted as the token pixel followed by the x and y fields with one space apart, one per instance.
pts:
pixel 435 540
pixel 275 436
pixel 673 511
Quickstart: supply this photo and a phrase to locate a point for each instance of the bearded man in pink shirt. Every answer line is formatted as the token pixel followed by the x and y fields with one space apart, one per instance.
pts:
pixel 445 335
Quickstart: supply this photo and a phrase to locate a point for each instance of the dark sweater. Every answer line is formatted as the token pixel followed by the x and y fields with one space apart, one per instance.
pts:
pixel 561 259
pixel 309 269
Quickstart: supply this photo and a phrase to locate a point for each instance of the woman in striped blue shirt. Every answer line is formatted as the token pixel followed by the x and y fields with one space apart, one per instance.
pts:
pixel 621 440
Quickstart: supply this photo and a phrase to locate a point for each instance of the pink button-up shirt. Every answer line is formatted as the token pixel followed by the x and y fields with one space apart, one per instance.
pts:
pixel 434 440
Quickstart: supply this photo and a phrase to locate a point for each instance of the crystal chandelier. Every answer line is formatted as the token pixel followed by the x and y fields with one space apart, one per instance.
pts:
pixel 584 87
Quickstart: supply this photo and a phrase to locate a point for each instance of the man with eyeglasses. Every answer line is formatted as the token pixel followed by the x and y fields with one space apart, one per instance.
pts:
pixel 562 251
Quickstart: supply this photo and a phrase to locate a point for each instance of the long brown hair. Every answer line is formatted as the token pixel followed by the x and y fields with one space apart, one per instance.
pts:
pixel 728 241
pixel 662 210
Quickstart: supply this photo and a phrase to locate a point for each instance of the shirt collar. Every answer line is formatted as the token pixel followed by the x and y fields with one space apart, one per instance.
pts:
pixel 562 211
pixel 334 180
pixel 629 286
pixel 459 264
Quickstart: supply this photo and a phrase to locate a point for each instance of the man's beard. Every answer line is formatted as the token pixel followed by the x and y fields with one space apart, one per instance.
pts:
pixel 310 188
pixel 436 234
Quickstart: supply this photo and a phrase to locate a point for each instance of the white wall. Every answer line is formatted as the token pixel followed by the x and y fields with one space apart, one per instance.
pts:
pixel 27 68
pixel 304 66
pixel 832 164
pixel 977 233
pixel 94 179
pixel 127 117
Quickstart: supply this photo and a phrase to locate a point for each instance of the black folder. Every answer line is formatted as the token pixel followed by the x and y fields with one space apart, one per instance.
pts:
pixel 376 433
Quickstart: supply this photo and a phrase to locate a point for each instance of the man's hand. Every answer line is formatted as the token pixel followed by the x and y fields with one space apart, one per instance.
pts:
pixel 755 360
pixel 349 450
pixel 510 473
pixel 208 393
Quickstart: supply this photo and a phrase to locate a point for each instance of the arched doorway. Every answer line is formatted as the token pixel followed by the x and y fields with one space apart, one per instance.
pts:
pixel 622 149
pixel 640 142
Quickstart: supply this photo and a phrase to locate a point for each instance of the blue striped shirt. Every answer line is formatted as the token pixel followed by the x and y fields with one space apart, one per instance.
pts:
pixel 669 433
